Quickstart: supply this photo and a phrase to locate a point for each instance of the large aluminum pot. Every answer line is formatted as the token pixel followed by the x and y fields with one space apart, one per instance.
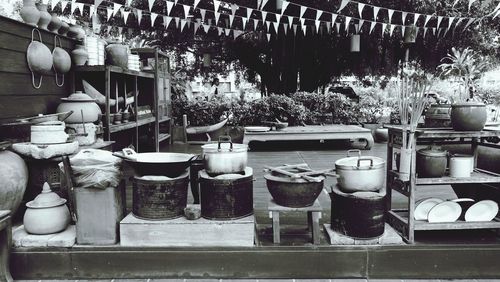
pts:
pixel 360 173
pixel 225 157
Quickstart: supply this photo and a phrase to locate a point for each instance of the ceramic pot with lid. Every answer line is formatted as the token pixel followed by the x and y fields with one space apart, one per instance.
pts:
pixel 225 157
pixel 85 109
pixel 117 55
pixel 46 214
pixel 49 132
pixel 359 173
pixel 431 162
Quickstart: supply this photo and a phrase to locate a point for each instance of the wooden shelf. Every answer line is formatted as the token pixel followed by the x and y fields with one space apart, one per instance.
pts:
pixel 477 176
pixel 143 121
pixel 163 137
pixel 120 127
pixel 448 133
pixel 164 119
pixel 113 69
pixel 402 217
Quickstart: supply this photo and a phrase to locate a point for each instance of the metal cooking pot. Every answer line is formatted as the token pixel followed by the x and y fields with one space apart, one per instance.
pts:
pixel 360 173
pixel 166 164
pixel 225 157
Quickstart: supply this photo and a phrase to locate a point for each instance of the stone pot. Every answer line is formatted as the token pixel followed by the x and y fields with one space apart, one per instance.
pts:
pixel 117 55
pixel 468 116
pixel 79 55
pixel 76 32
pixel 46 214
pixel 55 23
pixel 63 30
pixel 14 178
pixel 79 103
pixel 45 17
pixel 29 13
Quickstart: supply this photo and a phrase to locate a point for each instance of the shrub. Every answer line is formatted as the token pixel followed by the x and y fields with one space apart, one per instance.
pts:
pixel 200 112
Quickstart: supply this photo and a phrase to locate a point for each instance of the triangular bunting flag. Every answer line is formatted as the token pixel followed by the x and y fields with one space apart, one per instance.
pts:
pixel 391 29
pixel 170 5
pixel 231 19
pixel 372 26
pixel 278 17
pixel 295 29
pixel 427 18
pixel 268 36
pixel 127 3
pixel 109 13
pixel 80 7
pixel 455 3
pixel 290 20
pixel 342 5
pixel 360 25
pixel 337 26
pixel 384 26
pixel 440 18
pixel 227 31
pixel 54 3
pixel 264 2
pixel 264 15
pixel 302 11
pixel 125 16
pixel 258 4
pixel 234 8
pixel 285 28
pixel 63 5
pixel 216 5
pixel 116 8
pixel 150 4
pixel 177 22
pixel 347 21
pixel 203 13
pixel 450 22
pixel 186 10
pixel 196 27
pixel 267 25
pixel 183 24
pixel 175 2
pixel 497 8
pixel 361 6
pixel 471 20
pixel 166 21
pixel 304 30
pixel 375 13
pixel 334 18
pixel 276 26
pixel 318 14
pixel 284 5
pixel 217 16
pixel 249 13
pixel 237 33
pixel 91 10
pixel 434 31
pixel 328 28
pixel 403 17
pixel 403 30
pixel 317 23
pixel 425 31
pixel 470 3
pixel 153 17
pixel 302 22
pixel 220 30
pixel 195 4
pixel 496 14
pixel 255 24
pixel 390 13
pixel 139 16
pixel 439 32
pixel 244 20
pixel 415 18
pixel 445 31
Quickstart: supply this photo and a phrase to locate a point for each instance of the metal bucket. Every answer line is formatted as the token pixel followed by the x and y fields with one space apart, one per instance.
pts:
pixel 227 196
pixel 160 199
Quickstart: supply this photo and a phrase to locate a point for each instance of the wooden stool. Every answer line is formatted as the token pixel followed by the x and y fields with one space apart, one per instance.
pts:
pixel 5 243
pixel 313 216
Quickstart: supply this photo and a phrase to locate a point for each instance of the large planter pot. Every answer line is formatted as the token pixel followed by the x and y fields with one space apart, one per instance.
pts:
pixel 469 116
pixel 438 115
pixel 84 108
pixel 117 55
pixel 14 178
pixel 79 55
pixel 29 13
pixel 45 17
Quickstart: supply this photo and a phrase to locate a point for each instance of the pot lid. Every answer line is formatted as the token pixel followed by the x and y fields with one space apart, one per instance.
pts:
pixel 50 123
pixel 46 199
pixel 433 151
pixel 224 148
pixel 78 96
pixel 468 104
pixel 364 162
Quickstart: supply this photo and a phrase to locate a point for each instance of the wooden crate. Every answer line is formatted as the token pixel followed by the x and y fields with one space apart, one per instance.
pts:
pixel 99 212
pixel 183 232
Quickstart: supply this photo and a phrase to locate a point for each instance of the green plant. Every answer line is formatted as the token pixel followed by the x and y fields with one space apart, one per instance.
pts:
pixel 467 65
pixel 200 112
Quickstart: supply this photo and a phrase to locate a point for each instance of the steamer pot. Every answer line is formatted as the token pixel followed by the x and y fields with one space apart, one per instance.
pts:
pixel 360 173
pixel 49 132
pixel 225 157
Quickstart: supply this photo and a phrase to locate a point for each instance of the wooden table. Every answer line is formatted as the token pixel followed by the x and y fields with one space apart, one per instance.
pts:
pixel 5 243
pixel 314 132
pixel 313 216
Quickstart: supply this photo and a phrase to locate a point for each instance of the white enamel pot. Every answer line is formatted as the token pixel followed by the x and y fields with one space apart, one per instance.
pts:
pixel 359 173
pixel 225 157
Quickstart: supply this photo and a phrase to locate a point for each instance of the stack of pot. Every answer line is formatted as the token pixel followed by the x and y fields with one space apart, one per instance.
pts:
pixel 85 115
pixel 358 200
pixel 432 163
pixel 226 183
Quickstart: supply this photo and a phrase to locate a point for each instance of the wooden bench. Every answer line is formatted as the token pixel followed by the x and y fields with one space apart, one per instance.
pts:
pixel 313 216
pixel 314 132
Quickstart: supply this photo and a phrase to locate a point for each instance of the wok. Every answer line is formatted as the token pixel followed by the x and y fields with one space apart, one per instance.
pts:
pixel 166 164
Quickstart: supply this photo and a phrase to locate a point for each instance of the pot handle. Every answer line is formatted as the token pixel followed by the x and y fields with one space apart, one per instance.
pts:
pixel 365 159
pixel 57 39
pixel 225 139
pixel 35 85
pixel 352 151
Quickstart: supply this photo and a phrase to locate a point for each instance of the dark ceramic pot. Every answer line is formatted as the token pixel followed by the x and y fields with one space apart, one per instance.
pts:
pixel 294 193
pixel 431 162
pixel 469 116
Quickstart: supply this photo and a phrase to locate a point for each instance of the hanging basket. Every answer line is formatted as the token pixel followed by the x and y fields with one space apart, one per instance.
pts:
pixel 355 43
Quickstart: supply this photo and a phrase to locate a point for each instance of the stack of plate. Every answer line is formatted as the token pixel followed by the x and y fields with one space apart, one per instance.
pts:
pixel 436 210
pixel 133 62
pixel 95 48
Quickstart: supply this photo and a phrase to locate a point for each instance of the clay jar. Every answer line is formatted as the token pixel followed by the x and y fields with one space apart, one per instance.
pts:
pixel 117 55
pixel 46 214
pixel 55 23
pixel 79 103
pixel 45 17
pixel 29 12
pixel 76 32
pixel 14 178
pixel 63 30
pixel 79 55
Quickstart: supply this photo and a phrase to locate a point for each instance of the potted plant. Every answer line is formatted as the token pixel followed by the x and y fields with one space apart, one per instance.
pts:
pixel 467 114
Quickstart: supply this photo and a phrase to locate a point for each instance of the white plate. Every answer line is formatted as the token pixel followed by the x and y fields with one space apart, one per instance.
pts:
pixel 444 212
pixel 485 210
pixel 257 128
pixel 423 207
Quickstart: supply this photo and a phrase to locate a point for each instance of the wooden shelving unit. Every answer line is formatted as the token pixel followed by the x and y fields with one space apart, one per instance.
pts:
pixel 403 220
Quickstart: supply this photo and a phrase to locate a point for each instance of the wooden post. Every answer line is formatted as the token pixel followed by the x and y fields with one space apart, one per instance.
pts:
pixel 184 128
